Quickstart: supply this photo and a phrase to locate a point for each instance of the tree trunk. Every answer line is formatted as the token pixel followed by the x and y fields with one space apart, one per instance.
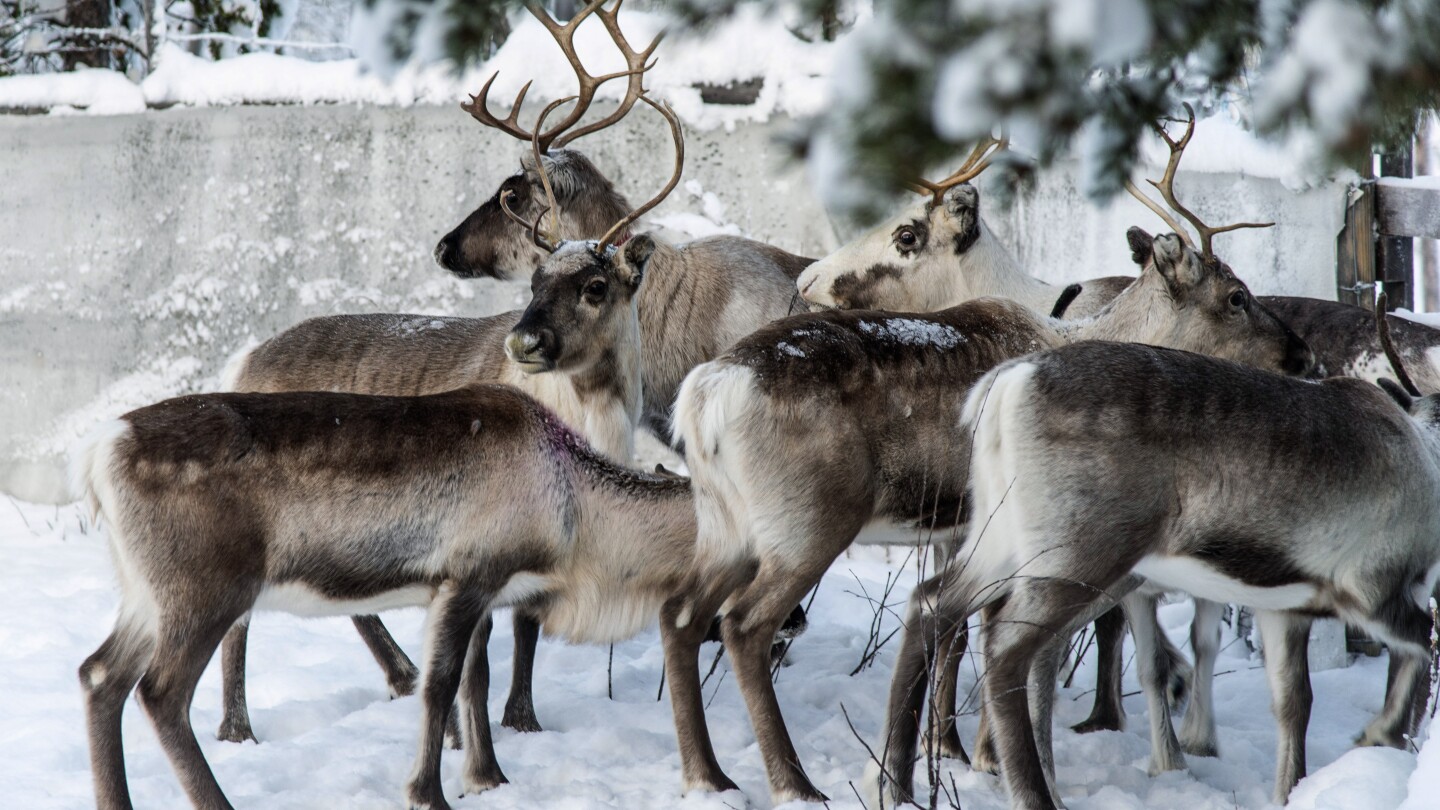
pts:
pixel 87 14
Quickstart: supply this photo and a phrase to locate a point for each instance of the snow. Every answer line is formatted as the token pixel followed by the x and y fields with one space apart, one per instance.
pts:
pixel 749 45
pixel 332 737
pixel 912 332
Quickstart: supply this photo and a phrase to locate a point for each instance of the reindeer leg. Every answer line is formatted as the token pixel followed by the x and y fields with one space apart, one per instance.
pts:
pixel 454 614
pixel 235 719
pixel 400 671
pixel 986 759
pixel 1040 686
pixel 106 678
pixel 184 646
pixel 749 630
pixel 1407 685
pixel 1197 734
pixel 482 771
pixel 520 706
pixel 944 739
pixel 1152 662
pixel 1286 638
pixel 1108 713
pixel 926 625
pixel 700 770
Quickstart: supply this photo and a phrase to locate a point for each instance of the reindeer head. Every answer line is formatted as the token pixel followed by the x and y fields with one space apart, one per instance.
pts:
pixel 922 260
pixel 583 296
pixel 583 201
pixel 1184 301
pixel 485 243
pixel 582 303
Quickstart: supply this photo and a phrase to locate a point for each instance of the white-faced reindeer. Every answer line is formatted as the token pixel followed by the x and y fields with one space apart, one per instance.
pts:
pixel 939 253
pixel 1093 461
pixel 819 425
pixel 576 348
pixel 326 503
pixel 700 296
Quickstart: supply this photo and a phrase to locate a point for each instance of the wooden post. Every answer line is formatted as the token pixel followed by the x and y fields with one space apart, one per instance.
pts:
pixel 1397 253
pixel 1355 249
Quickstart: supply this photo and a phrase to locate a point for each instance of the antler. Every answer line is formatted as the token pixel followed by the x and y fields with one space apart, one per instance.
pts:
pixel 545 180
pixel 679 136
pixel 979 160
pixel 1382 325
pixel 1166 187
pixel 564 35
pixel 534 227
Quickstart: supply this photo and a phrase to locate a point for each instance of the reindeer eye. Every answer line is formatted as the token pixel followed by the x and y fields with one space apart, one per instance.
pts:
pixel 1237 299
pixel 596 289
pixel 906 238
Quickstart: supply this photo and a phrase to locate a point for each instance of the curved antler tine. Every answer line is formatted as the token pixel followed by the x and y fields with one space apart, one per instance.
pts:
pixel 540 167
pixel 1160 212
pixel 977 162
pixel 540 238
pixel 678 134
pixel 638 63
pixel 479 109
pixel 533 227
pixel 1382 325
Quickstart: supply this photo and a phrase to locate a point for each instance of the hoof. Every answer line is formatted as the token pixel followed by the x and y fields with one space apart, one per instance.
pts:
pixel 482 782
pixel 947 746
pixel 1200 748
pixel 235 733
pixel 719 783
pixel 521 719
pixel 425 800
pixel 985 760
pixel 1100 722
pixel 404 685
pixel 808 794
pixel 1375 739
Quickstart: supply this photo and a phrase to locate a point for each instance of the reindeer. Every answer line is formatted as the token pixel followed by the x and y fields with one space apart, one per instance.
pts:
pixel 820 425
pixel 701 296
pixel 575 348
pixel 1095 461
pixel 939 253
pixel 328 503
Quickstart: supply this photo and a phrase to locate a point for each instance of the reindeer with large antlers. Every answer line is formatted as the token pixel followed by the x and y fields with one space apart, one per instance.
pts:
pixel 576 348
pixel 702 295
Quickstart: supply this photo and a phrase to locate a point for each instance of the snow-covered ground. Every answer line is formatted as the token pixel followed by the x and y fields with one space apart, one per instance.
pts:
pixel 332 738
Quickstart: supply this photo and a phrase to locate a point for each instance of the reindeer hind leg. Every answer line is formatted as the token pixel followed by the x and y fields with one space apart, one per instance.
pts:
pixel 107 678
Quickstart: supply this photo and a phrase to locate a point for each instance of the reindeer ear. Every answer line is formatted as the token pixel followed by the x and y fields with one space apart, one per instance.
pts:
pixel 962 199
pixel 634 258
pixel 557 168
pixel 1177 264
pixel 1141 245
pixel 1401 397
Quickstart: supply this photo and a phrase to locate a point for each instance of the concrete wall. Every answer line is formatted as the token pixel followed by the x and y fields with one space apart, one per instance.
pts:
pixel 138 252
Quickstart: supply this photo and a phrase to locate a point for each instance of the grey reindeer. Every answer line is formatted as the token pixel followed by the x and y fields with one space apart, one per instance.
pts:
pixel 576 348
pixel 936 256
pixel 824 428
pixel 1097 461
pixel 330 503
pixel 701 296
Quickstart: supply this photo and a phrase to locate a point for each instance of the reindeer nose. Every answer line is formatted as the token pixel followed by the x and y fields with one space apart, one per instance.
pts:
pixel 529 347
pixel 443 249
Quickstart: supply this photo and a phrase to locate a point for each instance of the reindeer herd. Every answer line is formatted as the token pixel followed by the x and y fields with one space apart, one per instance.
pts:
pixel 1170 432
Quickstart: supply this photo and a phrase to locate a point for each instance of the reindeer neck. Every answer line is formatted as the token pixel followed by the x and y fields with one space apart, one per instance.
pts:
pixel 1130 317
pixel 988 269
pixel 612 382
pixel 591 211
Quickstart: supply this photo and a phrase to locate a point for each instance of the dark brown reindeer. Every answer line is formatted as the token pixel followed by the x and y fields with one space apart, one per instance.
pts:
pixel 819 426
pixel 701 296
pixel 575 348
pixel 1093 461
pixel 329 503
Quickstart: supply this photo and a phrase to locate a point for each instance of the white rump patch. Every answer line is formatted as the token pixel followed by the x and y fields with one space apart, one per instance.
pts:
pixel 1200 580
pixel 914 332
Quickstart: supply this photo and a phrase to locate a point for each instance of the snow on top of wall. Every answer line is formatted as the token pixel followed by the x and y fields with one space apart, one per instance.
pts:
pixel 749 45
pixel 103 92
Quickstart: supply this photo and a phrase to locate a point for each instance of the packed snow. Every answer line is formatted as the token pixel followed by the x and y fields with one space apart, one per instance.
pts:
pixel 331 737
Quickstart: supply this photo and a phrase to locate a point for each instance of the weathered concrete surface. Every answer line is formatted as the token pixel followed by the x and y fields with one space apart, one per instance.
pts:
pixel 138 252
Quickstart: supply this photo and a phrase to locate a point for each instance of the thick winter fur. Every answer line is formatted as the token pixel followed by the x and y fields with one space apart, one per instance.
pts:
pixel 930 257
pixel 1094 460
pixel 576 349
pixel 327 503
pixel 700 298
pixel 820 425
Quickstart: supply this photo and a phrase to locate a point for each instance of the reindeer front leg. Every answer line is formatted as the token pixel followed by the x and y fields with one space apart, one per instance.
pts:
pixel 453 618
pixel 482 771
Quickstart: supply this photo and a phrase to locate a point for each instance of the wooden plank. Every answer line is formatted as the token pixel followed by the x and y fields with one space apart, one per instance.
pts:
pixel 1355 250
pixel 1407 210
